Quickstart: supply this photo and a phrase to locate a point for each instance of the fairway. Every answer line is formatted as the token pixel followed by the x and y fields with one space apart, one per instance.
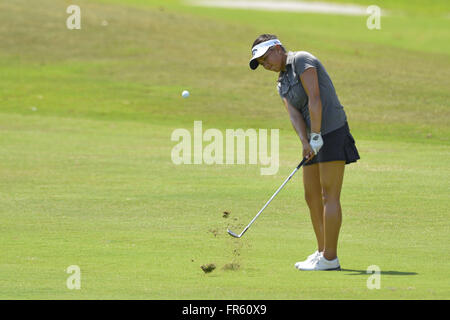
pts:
pixel 87 179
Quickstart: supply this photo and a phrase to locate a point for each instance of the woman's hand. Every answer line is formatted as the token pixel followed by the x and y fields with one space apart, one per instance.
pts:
pixel 316 142
pixel 308 152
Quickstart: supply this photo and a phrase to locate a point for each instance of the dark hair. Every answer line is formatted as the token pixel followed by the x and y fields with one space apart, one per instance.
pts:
pixel 266 37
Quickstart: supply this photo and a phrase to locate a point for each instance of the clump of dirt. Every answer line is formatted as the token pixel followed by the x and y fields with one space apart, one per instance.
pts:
pixel 234 264
pixel 214 232
pixel 231 266
pixel 207 268
pixel 226 214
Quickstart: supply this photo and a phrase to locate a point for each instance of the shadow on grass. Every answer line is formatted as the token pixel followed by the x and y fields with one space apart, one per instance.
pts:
pixel 390 273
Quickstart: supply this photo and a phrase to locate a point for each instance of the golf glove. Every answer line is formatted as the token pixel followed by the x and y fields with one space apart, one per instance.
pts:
pixel 316 142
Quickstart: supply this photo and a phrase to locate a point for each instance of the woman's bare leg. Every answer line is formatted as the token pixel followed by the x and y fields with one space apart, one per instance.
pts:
pixel 331 178
pixel 313 197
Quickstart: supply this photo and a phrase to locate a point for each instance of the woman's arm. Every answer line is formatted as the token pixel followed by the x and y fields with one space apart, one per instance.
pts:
pixel 297 121
pixel 300 127
pixel 310 83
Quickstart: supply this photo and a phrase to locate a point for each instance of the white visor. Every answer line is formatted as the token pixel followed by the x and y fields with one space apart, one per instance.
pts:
pixel 260 49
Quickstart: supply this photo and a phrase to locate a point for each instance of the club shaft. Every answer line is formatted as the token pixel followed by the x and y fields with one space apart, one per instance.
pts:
pixel 273 196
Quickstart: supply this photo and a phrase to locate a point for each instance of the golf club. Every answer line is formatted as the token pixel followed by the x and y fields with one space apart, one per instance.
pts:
pixel 231 233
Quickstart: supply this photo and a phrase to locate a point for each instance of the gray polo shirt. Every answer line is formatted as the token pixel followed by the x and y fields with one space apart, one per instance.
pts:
pixel 290 87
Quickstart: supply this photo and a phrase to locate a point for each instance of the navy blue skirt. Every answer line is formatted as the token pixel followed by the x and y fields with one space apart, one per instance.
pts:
pixel 338 145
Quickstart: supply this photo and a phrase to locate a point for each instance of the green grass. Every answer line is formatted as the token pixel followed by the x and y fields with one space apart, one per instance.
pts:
pixel 87 178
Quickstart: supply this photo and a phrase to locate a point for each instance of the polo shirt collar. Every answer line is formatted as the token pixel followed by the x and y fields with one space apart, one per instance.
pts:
pixel 290 57
pixel 289 61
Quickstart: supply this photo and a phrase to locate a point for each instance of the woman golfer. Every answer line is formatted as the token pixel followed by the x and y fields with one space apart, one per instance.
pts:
pixel 320 121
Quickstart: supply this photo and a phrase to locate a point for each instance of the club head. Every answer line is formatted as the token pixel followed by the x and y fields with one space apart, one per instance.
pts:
pixel 231 233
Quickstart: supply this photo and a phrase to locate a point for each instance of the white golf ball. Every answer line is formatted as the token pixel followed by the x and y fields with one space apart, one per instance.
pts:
pixel 185 94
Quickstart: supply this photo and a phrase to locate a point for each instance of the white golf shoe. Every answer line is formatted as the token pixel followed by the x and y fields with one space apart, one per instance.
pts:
pixel 319 263
pixel 308 260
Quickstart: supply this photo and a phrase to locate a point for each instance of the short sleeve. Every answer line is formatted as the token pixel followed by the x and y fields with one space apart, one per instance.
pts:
pixel 304 60
pixel 279 89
